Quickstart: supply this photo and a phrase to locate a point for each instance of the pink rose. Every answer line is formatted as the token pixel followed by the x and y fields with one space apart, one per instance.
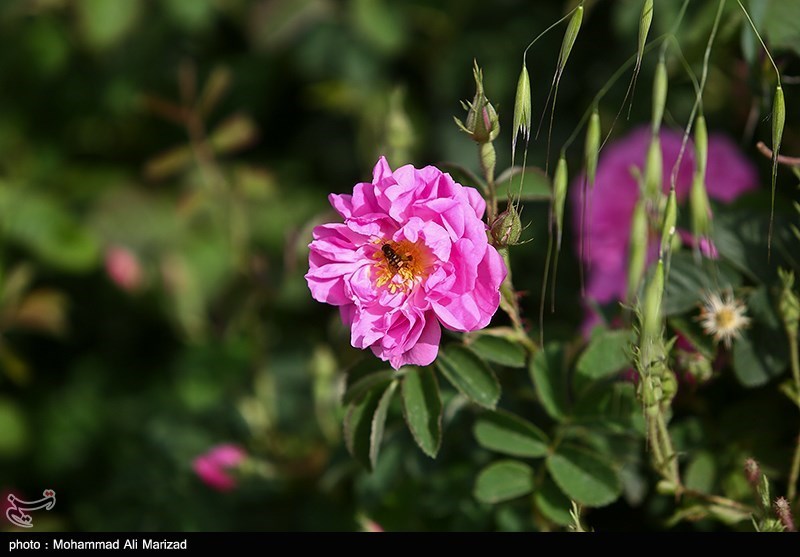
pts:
pixel 123 268
pixel 213 466
pixel 411 253
pixel 611 202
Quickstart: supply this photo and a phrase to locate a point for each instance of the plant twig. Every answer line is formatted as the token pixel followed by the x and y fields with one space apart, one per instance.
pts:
pixel 794 473
pixel 782 159
pixel 717 500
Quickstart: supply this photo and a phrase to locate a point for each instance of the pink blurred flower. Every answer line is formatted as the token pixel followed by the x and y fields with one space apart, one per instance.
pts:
pixel 611 202
pixel 412 253
pixel 123 268
pixel 369 525
pixel 213 466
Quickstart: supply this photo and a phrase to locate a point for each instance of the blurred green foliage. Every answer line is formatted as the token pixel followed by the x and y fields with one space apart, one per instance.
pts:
pixel 161 167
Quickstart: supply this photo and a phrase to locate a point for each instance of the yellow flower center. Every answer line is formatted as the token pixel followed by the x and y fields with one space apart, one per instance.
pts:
pixel 726 319
pixel 399 265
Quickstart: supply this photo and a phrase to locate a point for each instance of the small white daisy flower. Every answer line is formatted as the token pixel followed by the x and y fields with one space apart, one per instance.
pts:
pixel 723 317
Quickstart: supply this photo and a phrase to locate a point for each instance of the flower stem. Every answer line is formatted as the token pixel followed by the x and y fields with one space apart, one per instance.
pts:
pixel 510 304
pixel 488 158
pixel 652 433
pixel 717 500
pixel 795 472
pixel 667 450
pixel 795 364
pixel 794 354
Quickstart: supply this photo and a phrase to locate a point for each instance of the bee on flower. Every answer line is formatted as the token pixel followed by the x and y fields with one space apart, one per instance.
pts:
pixel 722 316
pixel 411 255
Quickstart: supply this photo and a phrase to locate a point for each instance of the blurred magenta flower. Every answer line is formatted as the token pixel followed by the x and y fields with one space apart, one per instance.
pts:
pixel 213 466
pixel 411 253
pixel 123 268
pixel 611 201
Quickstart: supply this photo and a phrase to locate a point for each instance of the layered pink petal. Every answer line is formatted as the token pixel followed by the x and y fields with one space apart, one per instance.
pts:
pixel 423 352
pixel 411 255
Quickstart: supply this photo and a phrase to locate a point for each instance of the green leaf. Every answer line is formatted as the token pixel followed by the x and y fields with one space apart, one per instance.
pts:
pixel 607 354
pixel 612 407
pixel 584 476
pixel 13 429
pixel 781 25
pixel 752 364
pixel 106 23
pixel 382 24
pixel 44 227
pixel 360 387
pixel 499 350
pixel 378 422
pixel 535 184
pixel 504 480
pixel 470 375
pixel 761 353
pixel 550 380
pixel 509 434
pixel 701 472
pixel 189 14
pixel 749 42
pixel 741 241
pixel 358 426
pixel 552 503
pixel 687 282
pixel 422 409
